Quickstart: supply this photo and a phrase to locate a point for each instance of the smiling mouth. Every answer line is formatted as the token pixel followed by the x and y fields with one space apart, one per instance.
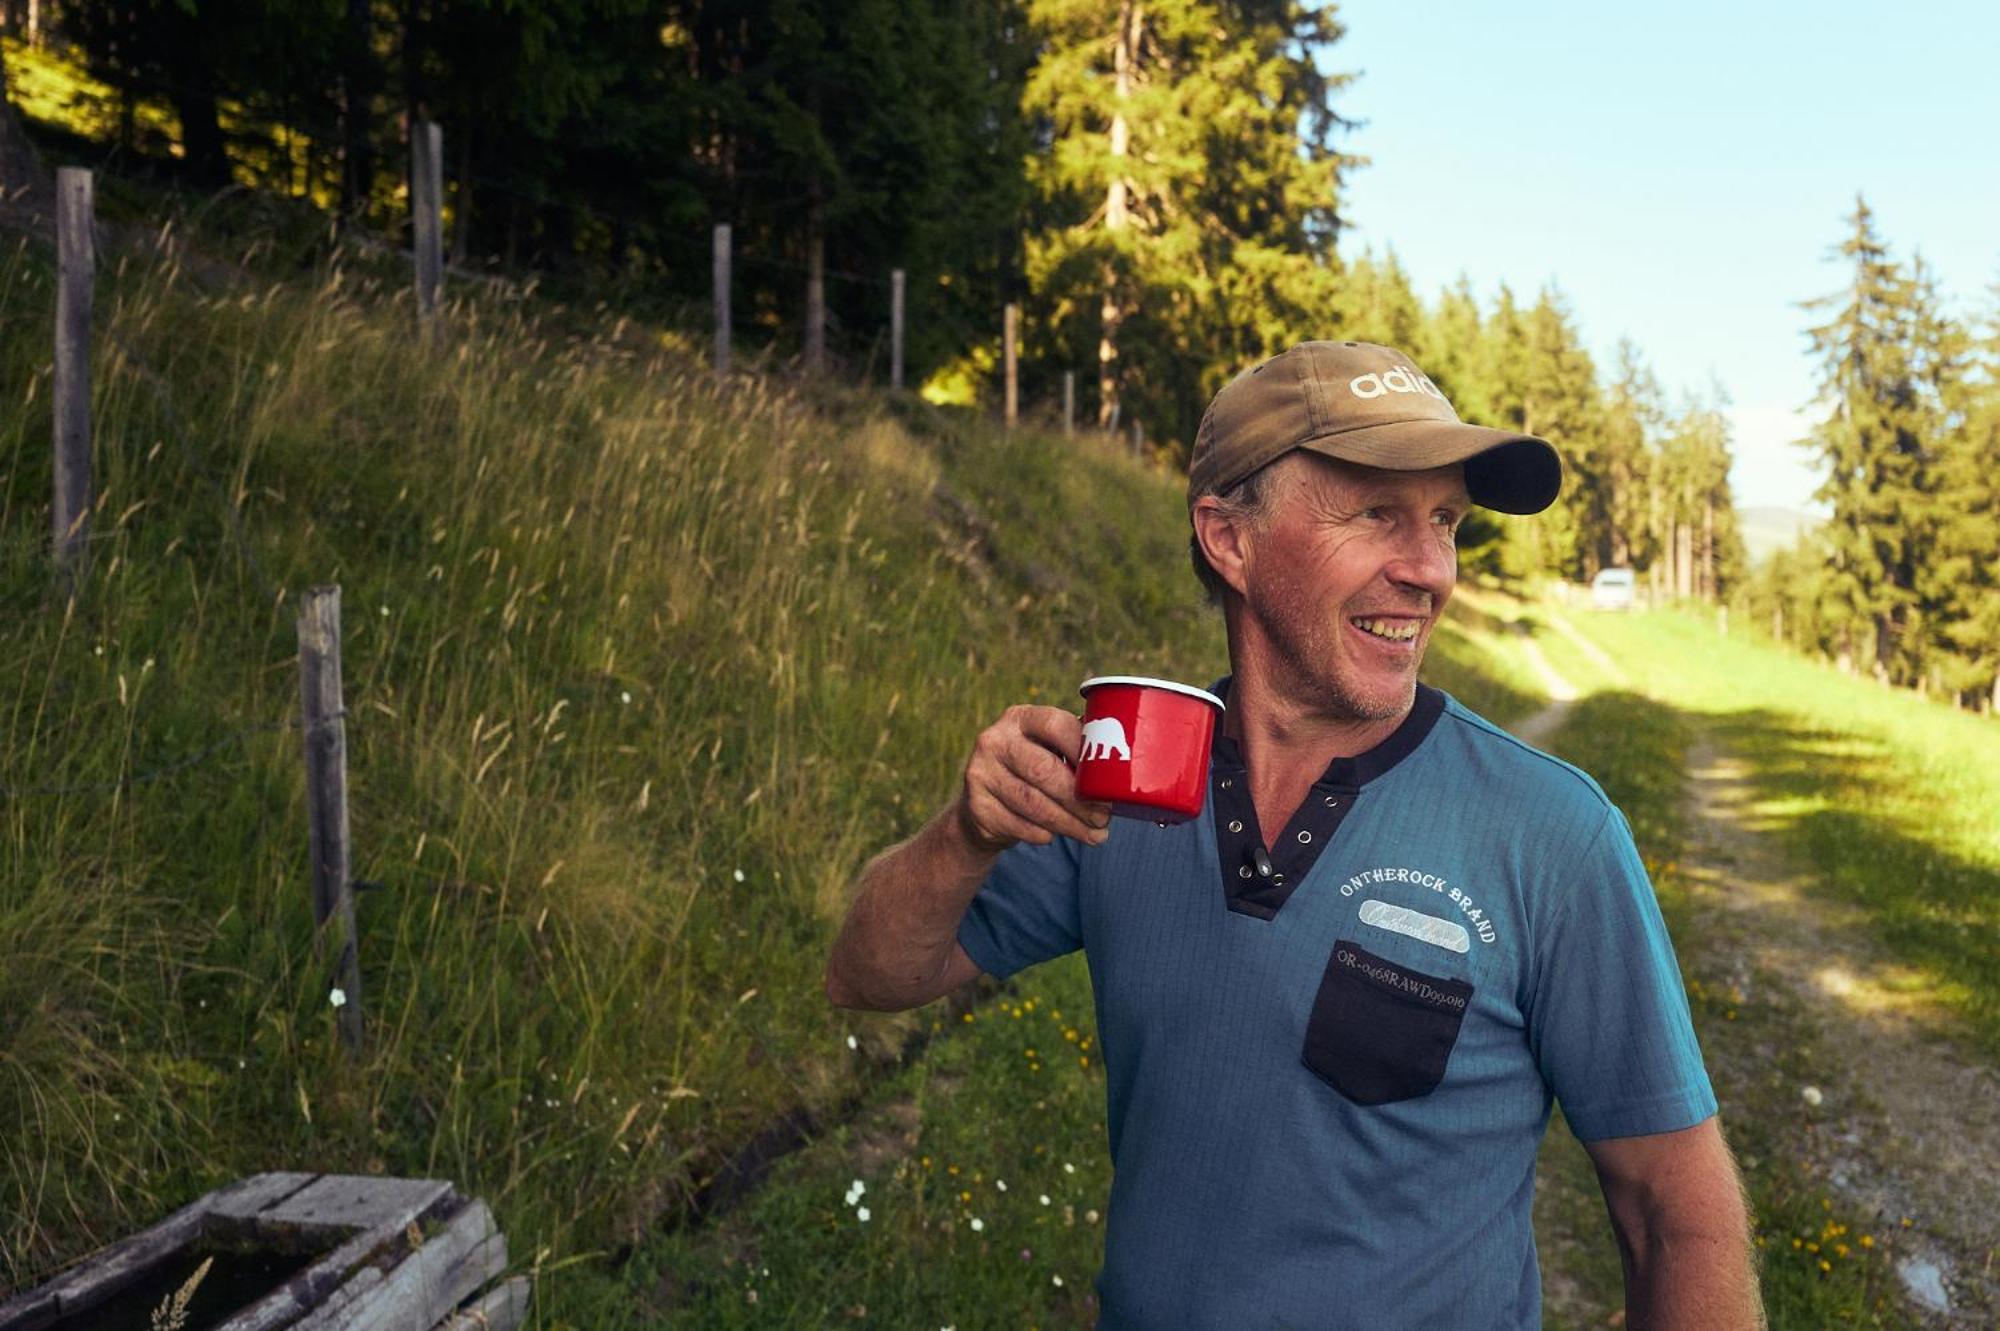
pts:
pixel 1390 630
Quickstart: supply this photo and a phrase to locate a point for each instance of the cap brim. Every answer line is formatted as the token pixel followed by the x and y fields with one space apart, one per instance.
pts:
pixel 1504 471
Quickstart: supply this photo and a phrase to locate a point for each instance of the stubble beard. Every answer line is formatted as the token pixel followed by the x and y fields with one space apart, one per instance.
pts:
pixel 1307 647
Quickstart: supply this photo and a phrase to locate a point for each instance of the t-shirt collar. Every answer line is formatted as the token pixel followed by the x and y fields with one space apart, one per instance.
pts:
pixel 1353 772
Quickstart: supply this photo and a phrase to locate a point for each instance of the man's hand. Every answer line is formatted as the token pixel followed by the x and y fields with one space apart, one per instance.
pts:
pixel 1020 786
pixel 899 946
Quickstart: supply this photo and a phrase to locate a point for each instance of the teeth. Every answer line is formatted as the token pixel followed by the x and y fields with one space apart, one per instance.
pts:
pixel 1396 630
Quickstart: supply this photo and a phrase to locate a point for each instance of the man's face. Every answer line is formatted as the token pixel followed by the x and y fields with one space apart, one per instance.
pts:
pixel 1347 577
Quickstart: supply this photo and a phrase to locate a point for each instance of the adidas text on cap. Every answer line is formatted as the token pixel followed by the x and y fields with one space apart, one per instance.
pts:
pixel 1365 404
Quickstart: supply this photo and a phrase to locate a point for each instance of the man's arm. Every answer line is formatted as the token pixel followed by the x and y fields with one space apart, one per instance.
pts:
pixel 899 945
pixel 1683 1230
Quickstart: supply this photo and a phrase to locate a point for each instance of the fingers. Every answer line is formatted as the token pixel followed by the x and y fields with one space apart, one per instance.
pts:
pixel 1019 786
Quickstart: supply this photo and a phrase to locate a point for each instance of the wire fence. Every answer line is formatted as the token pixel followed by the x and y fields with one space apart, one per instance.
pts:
pixel 156 773
pixel 294 134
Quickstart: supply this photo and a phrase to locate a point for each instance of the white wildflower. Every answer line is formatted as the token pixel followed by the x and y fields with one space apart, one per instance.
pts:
pixel 977 1224
pixel 1045 1199
pixel 1056 1281
pixel 739 875
pixel 861 1214
pixel 624 697
pixel 1000 1183
pixel 1811 1096
pixel 853 1043
pixel 338 998
pixel 1068 1168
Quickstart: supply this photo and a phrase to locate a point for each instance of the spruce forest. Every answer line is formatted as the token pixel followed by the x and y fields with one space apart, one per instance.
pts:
pixel 1157 185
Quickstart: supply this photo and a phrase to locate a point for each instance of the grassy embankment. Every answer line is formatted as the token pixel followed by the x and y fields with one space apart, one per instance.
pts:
pixel 639 670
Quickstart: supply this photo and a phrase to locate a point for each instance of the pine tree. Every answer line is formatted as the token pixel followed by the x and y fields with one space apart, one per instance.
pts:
pixel 1632 421
pixel 1185 197
pixel 1872 442
pixel 1448 345
pixel 1561 403
pixel 1379 304
pixel 1963 570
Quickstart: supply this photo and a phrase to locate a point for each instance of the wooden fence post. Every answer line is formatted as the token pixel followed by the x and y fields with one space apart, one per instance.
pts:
pixel 75 268
pixel 723 333
pixel 427 202
pixel 323 714
pixel 896 281
pixel 1069 403
pixel 1011 338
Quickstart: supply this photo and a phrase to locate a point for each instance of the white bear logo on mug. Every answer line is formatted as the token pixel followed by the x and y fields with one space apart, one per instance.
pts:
pixel 1104 737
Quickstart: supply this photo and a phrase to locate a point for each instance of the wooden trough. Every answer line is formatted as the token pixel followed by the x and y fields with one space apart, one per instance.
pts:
pixel 303 1252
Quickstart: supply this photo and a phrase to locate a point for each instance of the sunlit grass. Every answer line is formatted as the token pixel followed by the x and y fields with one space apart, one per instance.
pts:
pixel 1888 799
pixel 639 669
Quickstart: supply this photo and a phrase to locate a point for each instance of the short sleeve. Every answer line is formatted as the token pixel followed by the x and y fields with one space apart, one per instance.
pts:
pixel 1026 911
pixel 1609 1019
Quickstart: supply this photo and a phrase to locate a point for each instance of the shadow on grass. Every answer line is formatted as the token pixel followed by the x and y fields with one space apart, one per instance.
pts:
pixel 1843 808
pixel 1759 1041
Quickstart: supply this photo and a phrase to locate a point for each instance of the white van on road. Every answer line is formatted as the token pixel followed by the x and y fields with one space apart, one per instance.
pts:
pixel 1613 589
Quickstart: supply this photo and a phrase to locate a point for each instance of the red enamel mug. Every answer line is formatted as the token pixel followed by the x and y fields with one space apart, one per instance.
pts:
pixel 1145 746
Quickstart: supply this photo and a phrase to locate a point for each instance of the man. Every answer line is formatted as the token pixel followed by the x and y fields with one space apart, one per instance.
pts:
pixel 1334 1010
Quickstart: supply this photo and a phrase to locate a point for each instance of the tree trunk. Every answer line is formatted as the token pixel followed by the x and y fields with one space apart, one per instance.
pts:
pixel 461 199
pixel 1111 314
pixel 1708 547
pixel 358 82
pixel 206 154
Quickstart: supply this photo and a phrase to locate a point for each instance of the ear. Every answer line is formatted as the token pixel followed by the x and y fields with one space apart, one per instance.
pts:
pixel 1224 540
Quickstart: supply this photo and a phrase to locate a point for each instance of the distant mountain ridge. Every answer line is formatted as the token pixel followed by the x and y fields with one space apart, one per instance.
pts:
pixel 1768 529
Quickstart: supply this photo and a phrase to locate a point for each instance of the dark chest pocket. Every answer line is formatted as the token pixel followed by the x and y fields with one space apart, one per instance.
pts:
pixel 1379 1031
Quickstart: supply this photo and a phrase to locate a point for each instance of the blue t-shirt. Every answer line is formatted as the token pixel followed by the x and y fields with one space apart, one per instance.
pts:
pixel 1325 1101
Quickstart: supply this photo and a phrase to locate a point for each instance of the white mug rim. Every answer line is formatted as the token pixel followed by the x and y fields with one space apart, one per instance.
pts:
pixel 1171 686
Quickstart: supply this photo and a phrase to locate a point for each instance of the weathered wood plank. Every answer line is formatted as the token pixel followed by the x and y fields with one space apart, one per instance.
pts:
pixel 355 1201
pixel 368 1282
pixel 329 1210
pixel 502 1308
pixel 426 1286
pixel 112 1268
pixel 243 1199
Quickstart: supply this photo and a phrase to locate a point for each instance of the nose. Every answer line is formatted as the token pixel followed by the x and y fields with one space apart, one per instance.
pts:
pixel 1425 559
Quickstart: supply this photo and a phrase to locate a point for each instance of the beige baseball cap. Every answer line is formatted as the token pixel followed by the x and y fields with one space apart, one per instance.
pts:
pixel 1366 404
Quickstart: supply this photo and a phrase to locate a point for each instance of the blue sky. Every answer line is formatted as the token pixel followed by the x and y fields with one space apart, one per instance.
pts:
pixel 1679 172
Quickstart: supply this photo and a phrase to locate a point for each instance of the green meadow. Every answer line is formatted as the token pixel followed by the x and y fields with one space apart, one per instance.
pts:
pixel 1892 802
